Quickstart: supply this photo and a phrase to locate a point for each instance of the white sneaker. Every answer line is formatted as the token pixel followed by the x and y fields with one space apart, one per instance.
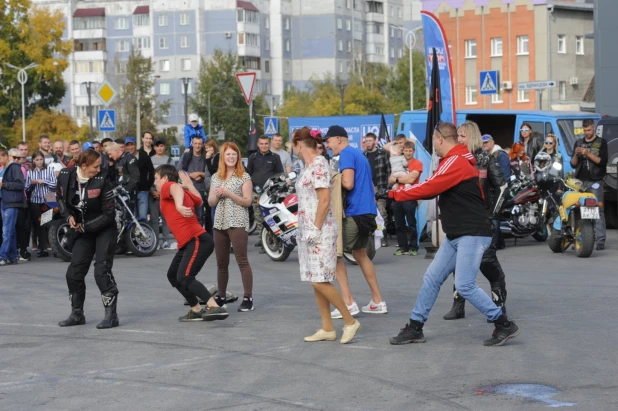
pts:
pixel 373 308
pixel 353 309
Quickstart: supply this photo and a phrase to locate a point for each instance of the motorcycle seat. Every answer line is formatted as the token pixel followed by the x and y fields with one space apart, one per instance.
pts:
pixel 570 199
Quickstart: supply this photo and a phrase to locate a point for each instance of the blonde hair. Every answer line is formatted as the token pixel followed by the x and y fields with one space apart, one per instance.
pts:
pixel 112 147
pixel 471 130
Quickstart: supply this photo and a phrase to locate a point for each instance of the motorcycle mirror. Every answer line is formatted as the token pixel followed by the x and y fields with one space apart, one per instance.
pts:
pixel 258 190
pixel 292 175
pixel 557 166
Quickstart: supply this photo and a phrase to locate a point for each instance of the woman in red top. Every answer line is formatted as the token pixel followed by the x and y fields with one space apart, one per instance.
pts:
pixel 195 245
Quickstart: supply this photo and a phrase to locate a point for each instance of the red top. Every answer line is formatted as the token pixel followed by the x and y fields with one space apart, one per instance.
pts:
pixel 183 228
pixel 415 165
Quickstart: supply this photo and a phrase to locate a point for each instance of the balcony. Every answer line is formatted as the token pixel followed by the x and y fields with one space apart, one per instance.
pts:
pixel 377 17
pixel 245 50
pixel 375 38
pixel 89 33
pixel 93 55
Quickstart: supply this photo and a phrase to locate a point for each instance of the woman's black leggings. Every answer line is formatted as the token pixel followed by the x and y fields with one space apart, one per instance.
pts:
pixel 186 264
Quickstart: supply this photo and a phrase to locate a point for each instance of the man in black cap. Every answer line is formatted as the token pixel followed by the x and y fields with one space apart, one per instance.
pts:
pixel 359 221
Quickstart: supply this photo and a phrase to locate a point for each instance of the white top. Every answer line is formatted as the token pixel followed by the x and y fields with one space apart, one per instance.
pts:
pixel 229 214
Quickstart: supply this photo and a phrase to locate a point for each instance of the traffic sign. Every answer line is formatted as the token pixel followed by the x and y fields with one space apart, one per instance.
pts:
pixel 175 150
pixel 271 126
pixel 107 120
pixel 489 82
pixel 536 85
pixel 246 81
pixel 106 93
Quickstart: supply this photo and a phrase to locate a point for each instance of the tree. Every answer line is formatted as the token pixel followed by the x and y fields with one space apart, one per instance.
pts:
pixel 31 34
pixel 228 108
pixel 401 84
pixel 58 126
pixel 137 82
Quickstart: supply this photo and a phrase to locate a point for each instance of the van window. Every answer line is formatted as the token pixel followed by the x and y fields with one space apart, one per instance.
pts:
pixel 571 131
pixel 499 126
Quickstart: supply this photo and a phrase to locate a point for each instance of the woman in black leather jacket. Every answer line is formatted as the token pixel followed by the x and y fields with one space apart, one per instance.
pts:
pixel 86 201
pixel 491 178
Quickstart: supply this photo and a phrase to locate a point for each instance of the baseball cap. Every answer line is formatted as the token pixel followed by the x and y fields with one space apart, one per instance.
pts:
pixel 130 140
pixel 336 131
pixel 159 141
pixel 192 117
pixel 487 137
pixel 87 145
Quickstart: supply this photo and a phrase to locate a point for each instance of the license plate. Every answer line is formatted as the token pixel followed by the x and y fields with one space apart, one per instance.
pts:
pixel 612 169
pixel 47 216
pixel 590 213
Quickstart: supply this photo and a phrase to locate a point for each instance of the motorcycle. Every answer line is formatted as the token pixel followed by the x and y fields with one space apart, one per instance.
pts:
pixel 138 237
pixel 574 217
pixel 524 213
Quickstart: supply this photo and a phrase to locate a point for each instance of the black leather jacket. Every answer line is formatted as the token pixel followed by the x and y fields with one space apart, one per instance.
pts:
pixel 97 212
pixel 127 172
pixel 491 177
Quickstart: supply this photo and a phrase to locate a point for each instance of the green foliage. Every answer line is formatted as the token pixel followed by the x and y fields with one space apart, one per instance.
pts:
pixel 58 126
pixel 31 34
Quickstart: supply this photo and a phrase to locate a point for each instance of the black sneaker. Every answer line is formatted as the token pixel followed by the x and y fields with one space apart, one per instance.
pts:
pixel 247 304
pixel 259 244
pixel 192 316
pixel 411 333
pixel 600 247
pixel 502 333
pixel 221 302
pixel 215 313
pixel 25 256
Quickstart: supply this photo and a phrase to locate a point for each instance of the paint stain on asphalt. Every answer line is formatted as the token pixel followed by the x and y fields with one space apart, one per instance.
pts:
pixel 535 392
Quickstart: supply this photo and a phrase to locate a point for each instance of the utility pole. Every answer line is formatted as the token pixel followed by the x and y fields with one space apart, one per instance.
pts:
pixel 185 84
pixel 342 94
pixel 89 91
pixel 138 111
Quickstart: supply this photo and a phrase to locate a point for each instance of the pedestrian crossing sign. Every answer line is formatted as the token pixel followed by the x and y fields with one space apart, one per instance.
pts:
pixel 107 120
pixel 271 126
pixel 489 82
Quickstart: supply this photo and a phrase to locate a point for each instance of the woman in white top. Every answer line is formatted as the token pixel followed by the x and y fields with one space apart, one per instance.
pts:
pixel 231 194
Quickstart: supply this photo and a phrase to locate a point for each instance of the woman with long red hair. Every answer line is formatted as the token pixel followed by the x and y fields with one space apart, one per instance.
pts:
pixel 231 193
pixel 520 163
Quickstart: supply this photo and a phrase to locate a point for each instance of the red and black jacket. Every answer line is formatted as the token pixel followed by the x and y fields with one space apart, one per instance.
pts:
pixel 462 209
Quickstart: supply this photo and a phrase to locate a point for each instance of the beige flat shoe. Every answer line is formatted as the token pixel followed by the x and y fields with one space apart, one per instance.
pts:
pixel 349 331
pixel 322 335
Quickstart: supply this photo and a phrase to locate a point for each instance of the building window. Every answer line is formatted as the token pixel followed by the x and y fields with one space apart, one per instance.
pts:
pixel 470 49
pixel 122 45
pixel 266 44
pixel 348 4
pixel 121 67
pixel 348 25
pixel 252 63
pixel 121 23
pixel 392 32
pixel 164 65
pixel 562 48
pixel 579 45
pixel 562 90
pixel 522 45
pixel 89 67
pixel 189 88
pixel 379 50
pixel 496 98
pixel 523 96
pixel 141 43
pixel 185 64
pixel 163 43
pixel 339 23
pixel 287 45
pixel 266 66
pixel 471 95
pixel 141 20
pixel 399 12
pixel 400 53
pixel 241 38
pixel 82 67
pixel 392 52
pixel 287 67
pixel 164 89
pixel 496 47
pixel 374 7
pixel 286 23
pixel 184 19
pixel 340 45
pixel 349 46
pixel 267 22
pixel 252 39
pixel 184 42
pixel 163 20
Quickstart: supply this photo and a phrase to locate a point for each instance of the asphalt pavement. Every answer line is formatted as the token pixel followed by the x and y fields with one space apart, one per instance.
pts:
pixel 565 356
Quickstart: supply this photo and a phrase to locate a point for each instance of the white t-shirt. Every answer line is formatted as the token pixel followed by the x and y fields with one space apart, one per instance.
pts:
pixel 286 159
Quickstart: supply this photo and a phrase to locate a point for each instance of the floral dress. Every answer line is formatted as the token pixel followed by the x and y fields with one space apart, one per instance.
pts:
pixel 318 259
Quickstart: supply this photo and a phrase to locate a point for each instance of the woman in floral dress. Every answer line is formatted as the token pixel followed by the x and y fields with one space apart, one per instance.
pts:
pixel 317 238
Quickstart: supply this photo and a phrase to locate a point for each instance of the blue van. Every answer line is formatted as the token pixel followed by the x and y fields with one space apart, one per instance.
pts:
pixel 504 126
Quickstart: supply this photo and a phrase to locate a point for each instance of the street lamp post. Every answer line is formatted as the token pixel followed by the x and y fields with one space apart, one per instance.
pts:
pixel 411 42
pixel 342 94
pixel 88 90
pixel 185 84
pixel 22 77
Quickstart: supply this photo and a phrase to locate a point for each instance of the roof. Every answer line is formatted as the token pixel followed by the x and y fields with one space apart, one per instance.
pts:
pixel 572 6
pixel 548 113
pixel 247 5
pixel 94 12
pixel 142 10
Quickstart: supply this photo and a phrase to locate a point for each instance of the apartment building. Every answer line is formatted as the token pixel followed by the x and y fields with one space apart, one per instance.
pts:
pixel 286 42
pixel 525 40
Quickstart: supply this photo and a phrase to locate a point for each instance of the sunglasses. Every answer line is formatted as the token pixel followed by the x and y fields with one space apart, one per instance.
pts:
pixel 549 142
pixel 525 130
pixel 437 128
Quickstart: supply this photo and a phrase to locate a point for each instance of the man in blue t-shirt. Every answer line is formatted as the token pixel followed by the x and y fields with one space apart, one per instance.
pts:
pixel 360 212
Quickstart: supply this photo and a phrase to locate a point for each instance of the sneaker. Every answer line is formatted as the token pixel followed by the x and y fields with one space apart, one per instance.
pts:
pixel 42 254
pixel 25 257
pixel 600 247
pixel 192 316
pixel 411 333
pixel 215 313
pixel 247 304
pixel 259 244
pixel 165 245
pixel 502 334
pixel 400 252
pixel 349 331
pixel 384 242
pixel 4 262
pixel 373 308
pixel 353 309
pixel 413 252
pixel 220 302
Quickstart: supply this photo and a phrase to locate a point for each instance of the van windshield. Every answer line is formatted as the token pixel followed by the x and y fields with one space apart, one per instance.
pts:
pixel 571 130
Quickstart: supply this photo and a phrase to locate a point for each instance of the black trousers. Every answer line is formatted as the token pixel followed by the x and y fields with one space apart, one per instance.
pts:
pixel 406 211
pixel 40 231
pixel 186 264
pixel 23 229
pixel 490 266
pixel 99 246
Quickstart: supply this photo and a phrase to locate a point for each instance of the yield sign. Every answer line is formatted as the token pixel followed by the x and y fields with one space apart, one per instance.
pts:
pixel 246 82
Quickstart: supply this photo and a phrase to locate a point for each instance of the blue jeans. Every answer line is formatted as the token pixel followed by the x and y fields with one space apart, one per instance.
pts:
pixel 142 205
pixel 463 256
pixel 8 250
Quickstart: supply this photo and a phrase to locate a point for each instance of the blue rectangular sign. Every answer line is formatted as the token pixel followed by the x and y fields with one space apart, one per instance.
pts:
pixel 271 126
pixel 489 82
pixel 107 120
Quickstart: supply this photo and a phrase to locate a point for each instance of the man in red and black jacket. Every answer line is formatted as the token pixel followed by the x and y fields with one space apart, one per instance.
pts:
pixel 468 230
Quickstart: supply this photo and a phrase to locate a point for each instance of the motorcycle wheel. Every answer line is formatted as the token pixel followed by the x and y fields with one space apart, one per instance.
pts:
pixel 139 245
pixel 57 239
pixel 584 238
pixel 555 241
pixel 252 227
pixel 541 235
pixel 274 247
pixel 371 252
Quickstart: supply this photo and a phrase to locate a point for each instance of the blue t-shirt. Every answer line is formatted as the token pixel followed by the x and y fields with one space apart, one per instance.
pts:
pixel 360 199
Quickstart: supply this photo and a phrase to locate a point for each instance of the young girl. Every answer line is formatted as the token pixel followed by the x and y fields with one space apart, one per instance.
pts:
pixel 39 181
pixel 399 164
